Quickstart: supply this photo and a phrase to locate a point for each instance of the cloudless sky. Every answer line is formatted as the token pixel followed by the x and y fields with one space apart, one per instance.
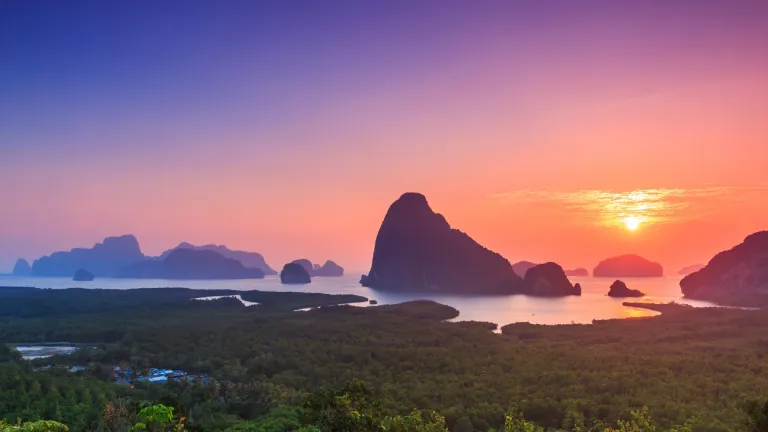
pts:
pixel 289 127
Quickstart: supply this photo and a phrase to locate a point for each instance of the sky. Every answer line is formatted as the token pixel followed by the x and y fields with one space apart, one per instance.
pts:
pixel 543 129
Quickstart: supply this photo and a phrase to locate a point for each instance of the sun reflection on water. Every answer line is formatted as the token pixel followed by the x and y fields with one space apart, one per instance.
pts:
pixel 630 312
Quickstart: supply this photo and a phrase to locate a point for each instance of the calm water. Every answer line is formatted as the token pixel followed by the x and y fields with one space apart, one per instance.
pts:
pixel 593 303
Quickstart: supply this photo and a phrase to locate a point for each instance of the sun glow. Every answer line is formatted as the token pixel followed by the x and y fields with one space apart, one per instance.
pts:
pixel 639 209
pixel 631 222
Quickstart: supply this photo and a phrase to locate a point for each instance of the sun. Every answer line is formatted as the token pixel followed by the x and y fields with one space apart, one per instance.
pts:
pixel 631 222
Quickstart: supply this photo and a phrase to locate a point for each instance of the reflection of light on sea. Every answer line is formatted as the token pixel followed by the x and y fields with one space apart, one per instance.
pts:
pixel 631 312
pixel 31 352
pixel 244 302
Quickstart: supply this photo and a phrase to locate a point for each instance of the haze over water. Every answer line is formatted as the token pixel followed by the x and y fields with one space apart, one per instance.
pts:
pixel 592 304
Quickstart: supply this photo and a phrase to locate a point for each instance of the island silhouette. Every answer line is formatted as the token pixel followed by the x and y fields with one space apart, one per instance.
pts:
pixel 330 268
pixel 295 273
pixel 739 271
pixel 121 257
pixel 619 289
pixel 685 271
pixel 577 272
pixel 83 275
pixel 417 250
pixel 104 259
pixel 522 267
pixel 190 264
pixel 248 259
pixel 628 266
pixel 22 268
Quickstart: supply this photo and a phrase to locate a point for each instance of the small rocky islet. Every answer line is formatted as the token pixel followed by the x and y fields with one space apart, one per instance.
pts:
pixel 22 268
pixel 83 275
pixel 329 269
pixel 294 273
pixel 620 290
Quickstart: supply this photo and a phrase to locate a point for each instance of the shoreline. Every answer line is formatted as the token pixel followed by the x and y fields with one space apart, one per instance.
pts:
pixel 660 307
pixel 749 301
pixel 592 306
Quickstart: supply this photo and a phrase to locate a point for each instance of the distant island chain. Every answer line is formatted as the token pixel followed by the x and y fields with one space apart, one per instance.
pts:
pixel 416 250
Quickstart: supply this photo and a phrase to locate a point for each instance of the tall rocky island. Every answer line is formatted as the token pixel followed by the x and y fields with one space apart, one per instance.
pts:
pixel 417 250
pixel 740 271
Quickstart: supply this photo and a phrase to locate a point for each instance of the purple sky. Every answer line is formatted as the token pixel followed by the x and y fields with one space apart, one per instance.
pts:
pixel 288 127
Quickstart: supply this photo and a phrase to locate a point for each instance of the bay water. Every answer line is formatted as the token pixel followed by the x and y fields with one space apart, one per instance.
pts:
pixel 592 304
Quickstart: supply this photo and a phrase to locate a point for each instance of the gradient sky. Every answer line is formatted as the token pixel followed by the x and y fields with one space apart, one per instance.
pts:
pixel 289 127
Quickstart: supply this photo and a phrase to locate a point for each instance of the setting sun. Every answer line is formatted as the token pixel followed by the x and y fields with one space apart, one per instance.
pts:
pixel 632 222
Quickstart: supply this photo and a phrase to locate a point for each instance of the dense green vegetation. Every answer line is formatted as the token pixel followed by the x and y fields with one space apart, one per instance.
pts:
pixel 38 426
pixel 31 302
pixel 685 365
pixel 352 408
pixel 53 395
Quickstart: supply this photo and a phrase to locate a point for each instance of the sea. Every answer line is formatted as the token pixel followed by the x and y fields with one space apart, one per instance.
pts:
pixel 593 304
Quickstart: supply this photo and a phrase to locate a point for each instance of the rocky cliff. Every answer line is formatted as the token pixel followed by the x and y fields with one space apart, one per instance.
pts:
pixel 417 250
pixel 737 271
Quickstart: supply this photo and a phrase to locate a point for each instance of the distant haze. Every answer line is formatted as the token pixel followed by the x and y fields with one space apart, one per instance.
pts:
pixel 542 129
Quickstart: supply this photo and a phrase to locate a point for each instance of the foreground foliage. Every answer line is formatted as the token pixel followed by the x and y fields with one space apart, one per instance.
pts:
pixel 349 409
pixel 38 426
